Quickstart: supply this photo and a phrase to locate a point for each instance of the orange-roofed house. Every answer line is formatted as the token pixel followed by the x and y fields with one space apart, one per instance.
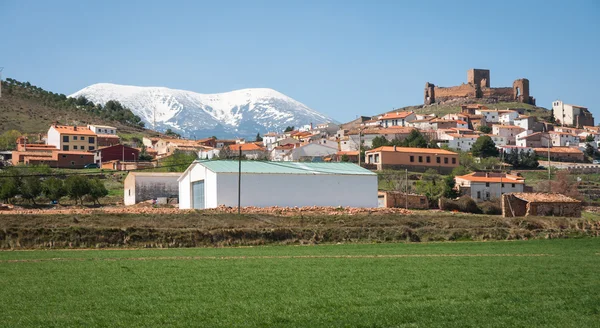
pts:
pixel 471 108
pixel 249 150
pixel 562 154
pixel 485 186
pixel 416 159
pixel 396 119
pixel 72 138
pixel 563 139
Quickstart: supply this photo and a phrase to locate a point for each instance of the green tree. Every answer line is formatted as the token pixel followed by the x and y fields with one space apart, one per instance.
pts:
pixel 9 188
pixel 484 147
pixel 77 186
pixel 170 133
pixel 414 139
pixel 589 150
pixel 345 158
pixel 258 137
pixel 449 190
pixel 379 141
pixel 54 189
pixel 289 128
pixel 31 188
pixel 589 138
pixel 97 190
pixel 179 161
pixel 485 129
pixel 431 186
pixel 8 139
pixel 460 170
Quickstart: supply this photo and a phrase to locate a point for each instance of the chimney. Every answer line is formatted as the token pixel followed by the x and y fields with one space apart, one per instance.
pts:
pixel 487 175
pixel 74 127
pixel 311 126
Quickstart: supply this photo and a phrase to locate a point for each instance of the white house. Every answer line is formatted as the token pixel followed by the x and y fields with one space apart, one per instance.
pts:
pixel 310 151
pixel 462 142
pixel 508 131
pixel 103 129
pixel 562 139
pixel 508 116
pixel 485 186
pixel 206 152
pixel 269 139
pixel 208 184
pixel 490 115
pixel 397 119
pixel 532 139
pixel 572 115
pixel 278 153
pixel 142 186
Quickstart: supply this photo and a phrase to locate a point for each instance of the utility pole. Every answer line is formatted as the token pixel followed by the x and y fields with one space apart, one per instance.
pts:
pixel 359 145
pixel 549 172
pixel 240 181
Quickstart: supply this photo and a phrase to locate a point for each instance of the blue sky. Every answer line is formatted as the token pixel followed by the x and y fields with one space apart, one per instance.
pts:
pixel 342 58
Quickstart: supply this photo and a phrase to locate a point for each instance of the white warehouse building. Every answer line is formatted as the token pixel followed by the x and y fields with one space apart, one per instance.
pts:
pixel 208 184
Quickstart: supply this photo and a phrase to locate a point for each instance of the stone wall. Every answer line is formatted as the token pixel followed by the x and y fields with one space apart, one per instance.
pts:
pixel 555 209
pixel 513 206
pixel 478 86
pixel 400 199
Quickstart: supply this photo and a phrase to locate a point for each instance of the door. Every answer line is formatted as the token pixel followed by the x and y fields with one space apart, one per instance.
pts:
pixel 198 194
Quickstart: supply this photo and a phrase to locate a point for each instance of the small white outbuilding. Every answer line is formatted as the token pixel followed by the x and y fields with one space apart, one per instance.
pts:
pixel 208 184
pixel 142 186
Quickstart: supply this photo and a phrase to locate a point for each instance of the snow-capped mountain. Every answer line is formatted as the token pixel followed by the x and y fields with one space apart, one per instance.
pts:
pixel 240 113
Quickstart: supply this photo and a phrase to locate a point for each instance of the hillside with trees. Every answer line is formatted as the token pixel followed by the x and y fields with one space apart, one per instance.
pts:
pixel 31 109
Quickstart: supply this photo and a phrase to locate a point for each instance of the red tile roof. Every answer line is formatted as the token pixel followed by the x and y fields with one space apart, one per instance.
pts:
pixel 394 115
pixel 492 177
pixel 74 130
pixel 245 147
pixel 412 150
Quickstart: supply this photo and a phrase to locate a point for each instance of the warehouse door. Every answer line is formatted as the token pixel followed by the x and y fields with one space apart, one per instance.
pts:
pixel 198 194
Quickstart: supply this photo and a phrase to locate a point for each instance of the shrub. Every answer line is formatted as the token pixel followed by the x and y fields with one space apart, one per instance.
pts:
pixel 77 186
pixel 31 188
pixel 491 207
pixel 54 189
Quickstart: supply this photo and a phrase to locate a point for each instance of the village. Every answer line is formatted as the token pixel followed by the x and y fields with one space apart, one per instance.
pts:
pixel 318 159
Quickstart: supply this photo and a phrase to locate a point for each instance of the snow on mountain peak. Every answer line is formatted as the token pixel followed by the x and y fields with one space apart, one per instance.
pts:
pixel 236 113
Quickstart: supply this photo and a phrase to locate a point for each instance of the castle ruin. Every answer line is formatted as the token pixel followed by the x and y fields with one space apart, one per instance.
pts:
pixel 478 86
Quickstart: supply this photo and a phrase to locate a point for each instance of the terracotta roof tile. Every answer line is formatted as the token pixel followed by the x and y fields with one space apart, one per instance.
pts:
pixel 74 130
pixel 492 177
pixel 394 115
pixel 412 150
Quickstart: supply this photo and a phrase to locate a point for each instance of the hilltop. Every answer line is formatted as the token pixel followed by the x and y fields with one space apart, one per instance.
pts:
pixel 31 109
pixel 449 107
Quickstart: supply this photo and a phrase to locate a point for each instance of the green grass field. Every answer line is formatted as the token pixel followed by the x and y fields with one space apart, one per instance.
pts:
pixel 543 283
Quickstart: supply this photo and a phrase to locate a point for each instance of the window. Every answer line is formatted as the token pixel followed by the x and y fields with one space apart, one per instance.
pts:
pixel 438 160
pixel 487 184
pixel 129 192
pixel 64 156
pixel 412 159
pixel 445 160
pixel 479 195
pixel 420 159
pixel 72 163
pixel 92 147
pixel 81 156
pixel 65 138
pixel 376 158
pixel 66 147
pixel 428 159
pixel 74 147
pixel 513 185
pixel 503 185
pixel 487 195
pixel 454 161
pixel 91 140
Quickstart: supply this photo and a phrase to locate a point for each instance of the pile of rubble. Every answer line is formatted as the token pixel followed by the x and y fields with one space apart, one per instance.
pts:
pixel 145 208
pixel 310 210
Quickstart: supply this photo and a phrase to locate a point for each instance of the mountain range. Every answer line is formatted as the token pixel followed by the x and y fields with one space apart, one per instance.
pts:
pixel 239 113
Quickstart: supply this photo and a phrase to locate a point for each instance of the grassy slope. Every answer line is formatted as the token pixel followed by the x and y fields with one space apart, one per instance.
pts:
pixel 317 288
pixel 23 111
pixel 443 109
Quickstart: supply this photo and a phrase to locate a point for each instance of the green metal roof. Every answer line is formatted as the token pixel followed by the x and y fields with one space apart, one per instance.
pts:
pixel 266 167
